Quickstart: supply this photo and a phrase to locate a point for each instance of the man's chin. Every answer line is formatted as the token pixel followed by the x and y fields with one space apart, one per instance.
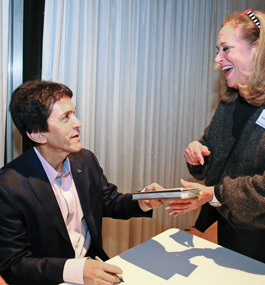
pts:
pixel 77 148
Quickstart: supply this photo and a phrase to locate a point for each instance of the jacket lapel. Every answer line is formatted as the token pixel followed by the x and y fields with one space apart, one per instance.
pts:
pixel 83 185
pixel 43 190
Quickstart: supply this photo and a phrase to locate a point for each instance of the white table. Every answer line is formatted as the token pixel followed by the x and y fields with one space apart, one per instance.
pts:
pixel 176 257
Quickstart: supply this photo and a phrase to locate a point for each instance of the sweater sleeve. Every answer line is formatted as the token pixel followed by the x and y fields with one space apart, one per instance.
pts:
pixel 243 201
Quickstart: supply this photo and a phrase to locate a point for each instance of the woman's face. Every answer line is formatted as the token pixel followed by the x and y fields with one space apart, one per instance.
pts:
pixel 234 56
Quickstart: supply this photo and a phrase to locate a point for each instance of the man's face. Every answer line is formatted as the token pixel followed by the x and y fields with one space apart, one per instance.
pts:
pixel 63 129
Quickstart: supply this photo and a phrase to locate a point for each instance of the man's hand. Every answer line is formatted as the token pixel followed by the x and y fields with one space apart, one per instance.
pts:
pixel 182 206
pixel 2 281
pixel 97 272
pixel 195 153
pixel 153 203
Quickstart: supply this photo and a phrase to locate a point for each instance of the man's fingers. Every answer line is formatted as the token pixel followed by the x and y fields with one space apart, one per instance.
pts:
pixel 98 272
pixel 110 268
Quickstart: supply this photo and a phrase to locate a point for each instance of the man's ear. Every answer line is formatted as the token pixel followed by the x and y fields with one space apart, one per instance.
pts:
pixel 37 137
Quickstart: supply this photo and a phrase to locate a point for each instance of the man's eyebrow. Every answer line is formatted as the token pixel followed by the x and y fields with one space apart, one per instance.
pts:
pixel 68 112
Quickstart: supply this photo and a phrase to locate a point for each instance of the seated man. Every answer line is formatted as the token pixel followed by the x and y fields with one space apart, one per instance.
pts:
pixel 53 197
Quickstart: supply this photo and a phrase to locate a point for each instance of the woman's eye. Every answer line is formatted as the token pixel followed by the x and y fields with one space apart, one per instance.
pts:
pixel 225 49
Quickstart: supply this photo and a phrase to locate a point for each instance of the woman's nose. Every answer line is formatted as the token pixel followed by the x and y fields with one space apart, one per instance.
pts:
pixel 218 58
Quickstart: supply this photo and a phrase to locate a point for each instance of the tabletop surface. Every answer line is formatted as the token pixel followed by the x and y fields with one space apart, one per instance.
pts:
pixel 177 257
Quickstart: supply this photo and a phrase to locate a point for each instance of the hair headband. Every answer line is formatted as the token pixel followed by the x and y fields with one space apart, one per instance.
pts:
pixel 252 17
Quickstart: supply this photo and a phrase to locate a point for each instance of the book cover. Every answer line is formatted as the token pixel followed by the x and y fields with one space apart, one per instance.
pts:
pixel 182 192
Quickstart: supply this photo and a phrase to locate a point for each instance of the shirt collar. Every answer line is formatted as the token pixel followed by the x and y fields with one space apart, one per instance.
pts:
pixel 51 173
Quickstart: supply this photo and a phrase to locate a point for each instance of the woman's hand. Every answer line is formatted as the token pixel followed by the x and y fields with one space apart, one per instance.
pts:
pixel 182 206
pixel 195 153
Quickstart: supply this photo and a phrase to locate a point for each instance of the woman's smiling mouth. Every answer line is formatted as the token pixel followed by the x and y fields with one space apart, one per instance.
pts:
pixel 228 69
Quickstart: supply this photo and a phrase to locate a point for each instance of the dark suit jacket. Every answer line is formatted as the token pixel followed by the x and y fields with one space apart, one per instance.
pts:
pixel 34 243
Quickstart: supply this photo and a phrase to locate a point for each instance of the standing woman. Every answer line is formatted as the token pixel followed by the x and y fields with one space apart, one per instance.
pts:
pixel 230 156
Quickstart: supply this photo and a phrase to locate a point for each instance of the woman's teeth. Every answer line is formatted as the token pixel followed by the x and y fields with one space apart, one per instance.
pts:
pixel 227 68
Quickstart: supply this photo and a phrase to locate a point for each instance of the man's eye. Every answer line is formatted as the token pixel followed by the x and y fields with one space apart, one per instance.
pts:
pixel 66 117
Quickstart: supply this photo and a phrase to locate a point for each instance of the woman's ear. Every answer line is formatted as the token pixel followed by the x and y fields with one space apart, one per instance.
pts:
pixel 37 137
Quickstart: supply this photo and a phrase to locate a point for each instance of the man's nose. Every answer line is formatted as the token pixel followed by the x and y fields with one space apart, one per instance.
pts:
pixel 77 123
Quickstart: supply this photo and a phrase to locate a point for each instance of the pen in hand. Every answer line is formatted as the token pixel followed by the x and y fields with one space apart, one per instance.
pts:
pixel 120 278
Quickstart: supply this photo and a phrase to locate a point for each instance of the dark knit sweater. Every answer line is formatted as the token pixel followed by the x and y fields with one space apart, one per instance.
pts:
pixel 243 111
pixel 236 164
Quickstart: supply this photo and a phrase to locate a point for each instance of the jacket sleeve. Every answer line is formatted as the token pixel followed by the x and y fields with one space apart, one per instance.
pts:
pixel 118 205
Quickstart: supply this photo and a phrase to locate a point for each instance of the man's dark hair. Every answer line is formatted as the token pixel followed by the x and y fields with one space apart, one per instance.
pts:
pixel 31 105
